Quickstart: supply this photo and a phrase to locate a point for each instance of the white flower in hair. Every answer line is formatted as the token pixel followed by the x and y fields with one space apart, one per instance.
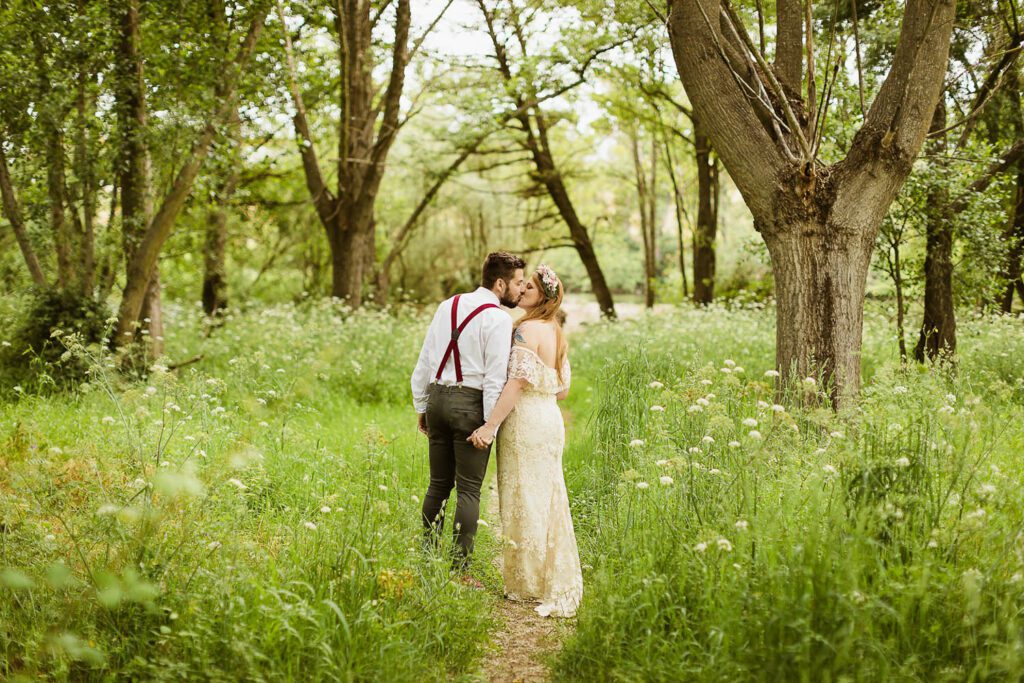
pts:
pixel 548 281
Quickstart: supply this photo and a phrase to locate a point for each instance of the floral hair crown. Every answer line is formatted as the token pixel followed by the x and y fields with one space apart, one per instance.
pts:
pixel 548 281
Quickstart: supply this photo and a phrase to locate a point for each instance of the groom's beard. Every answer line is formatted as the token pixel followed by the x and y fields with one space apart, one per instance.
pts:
pixel 508 302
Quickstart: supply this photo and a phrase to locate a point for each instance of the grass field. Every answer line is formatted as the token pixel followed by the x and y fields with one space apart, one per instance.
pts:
pixel 255 514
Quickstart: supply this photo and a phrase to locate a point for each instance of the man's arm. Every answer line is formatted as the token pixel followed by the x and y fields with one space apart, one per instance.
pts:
pixel 497 344
pixel 421 374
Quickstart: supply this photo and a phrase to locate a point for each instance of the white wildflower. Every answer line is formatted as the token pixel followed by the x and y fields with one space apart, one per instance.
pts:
pixel 809 383
pixel 903 462
pixel 754 434
pixel 734 444
pixel 700 547
pixel 749 422
pixel 108 420
pixel 325 509
pixel 636 443
pixel 657 409
pixel 666 480
pixel 309 525
pixel 741 524
pixel 708 439
pixel 899 389
pixel 738 370
pixel 703 402
pixel 724 545
pixel 706 382
pixel 238 484
pixel 213 545
pixel 655 385
pixel 778 408
pixel 642 484
pixel 730 363
pixel 762 405
pixel 695 408
pixel 771 373
pixel 836 435
pixel 661 463
pixel 727 370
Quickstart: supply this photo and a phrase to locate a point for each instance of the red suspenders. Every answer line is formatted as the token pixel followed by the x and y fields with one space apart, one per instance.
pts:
pixel 453 345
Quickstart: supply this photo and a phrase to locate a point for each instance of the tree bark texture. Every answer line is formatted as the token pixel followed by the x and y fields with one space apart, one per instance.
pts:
pixel 1015 235
pixel 366 131
pixel 214 255
pixel 707 219
pixel 937 337
pixel 12 211
pixel 819 221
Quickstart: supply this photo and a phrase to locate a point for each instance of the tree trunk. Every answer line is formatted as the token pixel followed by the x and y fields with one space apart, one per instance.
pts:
pixel 214 267
pixel 820 274
pixel 533 126
pixel 142 263
pixel 13 212
pixel 678 201
pixel 938 328
pixel 87 188
pixel 1015 235
pixel 707 223
pixel 645 191
pixel 819 221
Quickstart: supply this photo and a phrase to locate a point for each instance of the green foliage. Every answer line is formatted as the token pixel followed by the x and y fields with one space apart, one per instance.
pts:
pixel 34 357
pixel 732 538
pixel 255 517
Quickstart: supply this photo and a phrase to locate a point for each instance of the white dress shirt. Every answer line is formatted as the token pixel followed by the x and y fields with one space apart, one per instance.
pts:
pixel 484 347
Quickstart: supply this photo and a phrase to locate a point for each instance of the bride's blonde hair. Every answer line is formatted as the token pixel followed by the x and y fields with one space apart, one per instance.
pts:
pixel 550 310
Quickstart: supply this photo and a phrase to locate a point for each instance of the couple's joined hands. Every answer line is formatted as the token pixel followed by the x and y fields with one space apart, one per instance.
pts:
pixel 482 437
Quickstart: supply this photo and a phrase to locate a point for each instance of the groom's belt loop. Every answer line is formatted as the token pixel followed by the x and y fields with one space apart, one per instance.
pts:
pixel 453 345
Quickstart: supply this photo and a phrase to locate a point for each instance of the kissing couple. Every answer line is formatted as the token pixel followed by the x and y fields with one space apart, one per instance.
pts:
pixel 478 372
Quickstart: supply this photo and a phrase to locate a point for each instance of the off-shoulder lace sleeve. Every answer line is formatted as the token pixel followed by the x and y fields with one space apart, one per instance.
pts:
pixel 524 364
pixel 566 375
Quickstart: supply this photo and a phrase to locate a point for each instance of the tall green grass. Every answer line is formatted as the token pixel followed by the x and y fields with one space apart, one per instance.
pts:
pixel 254 515
pixel 885 544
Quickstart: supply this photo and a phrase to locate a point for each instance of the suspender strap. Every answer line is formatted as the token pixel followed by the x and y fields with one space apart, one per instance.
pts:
pixel 453 345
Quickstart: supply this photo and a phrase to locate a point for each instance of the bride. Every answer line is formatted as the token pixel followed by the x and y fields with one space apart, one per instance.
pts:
pixel 541 561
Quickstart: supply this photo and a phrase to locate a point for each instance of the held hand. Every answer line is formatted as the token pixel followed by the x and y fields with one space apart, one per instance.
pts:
pixel 422 419
pixel 482 437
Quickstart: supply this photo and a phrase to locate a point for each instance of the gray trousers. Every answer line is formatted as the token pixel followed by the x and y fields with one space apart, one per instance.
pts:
pixel 453 413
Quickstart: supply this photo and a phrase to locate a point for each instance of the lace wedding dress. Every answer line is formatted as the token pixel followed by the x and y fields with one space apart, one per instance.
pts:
pixel 540 558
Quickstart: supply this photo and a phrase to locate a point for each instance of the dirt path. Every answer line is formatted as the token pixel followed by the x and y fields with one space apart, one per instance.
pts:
pixel 524 637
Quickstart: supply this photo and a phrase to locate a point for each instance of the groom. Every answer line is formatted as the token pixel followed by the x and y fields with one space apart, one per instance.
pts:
pixel 460 374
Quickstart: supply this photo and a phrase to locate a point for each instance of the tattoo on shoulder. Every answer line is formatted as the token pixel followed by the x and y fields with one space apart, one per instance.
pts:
pixel 518 338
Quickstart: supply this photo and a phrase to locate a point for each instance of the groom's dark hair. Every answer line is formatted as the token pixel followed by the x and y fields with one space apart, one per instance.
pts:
pixel 500 265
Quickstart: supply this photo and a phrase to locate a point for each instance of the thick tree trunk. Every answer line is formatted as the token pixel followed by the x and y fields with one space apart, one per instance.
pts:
pixel 349 250
pixel 13 212
pixel 820 274
pixel 133 169
pixel 938 328
pixel 1015 235
pixel 819 221
pixel 707 222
